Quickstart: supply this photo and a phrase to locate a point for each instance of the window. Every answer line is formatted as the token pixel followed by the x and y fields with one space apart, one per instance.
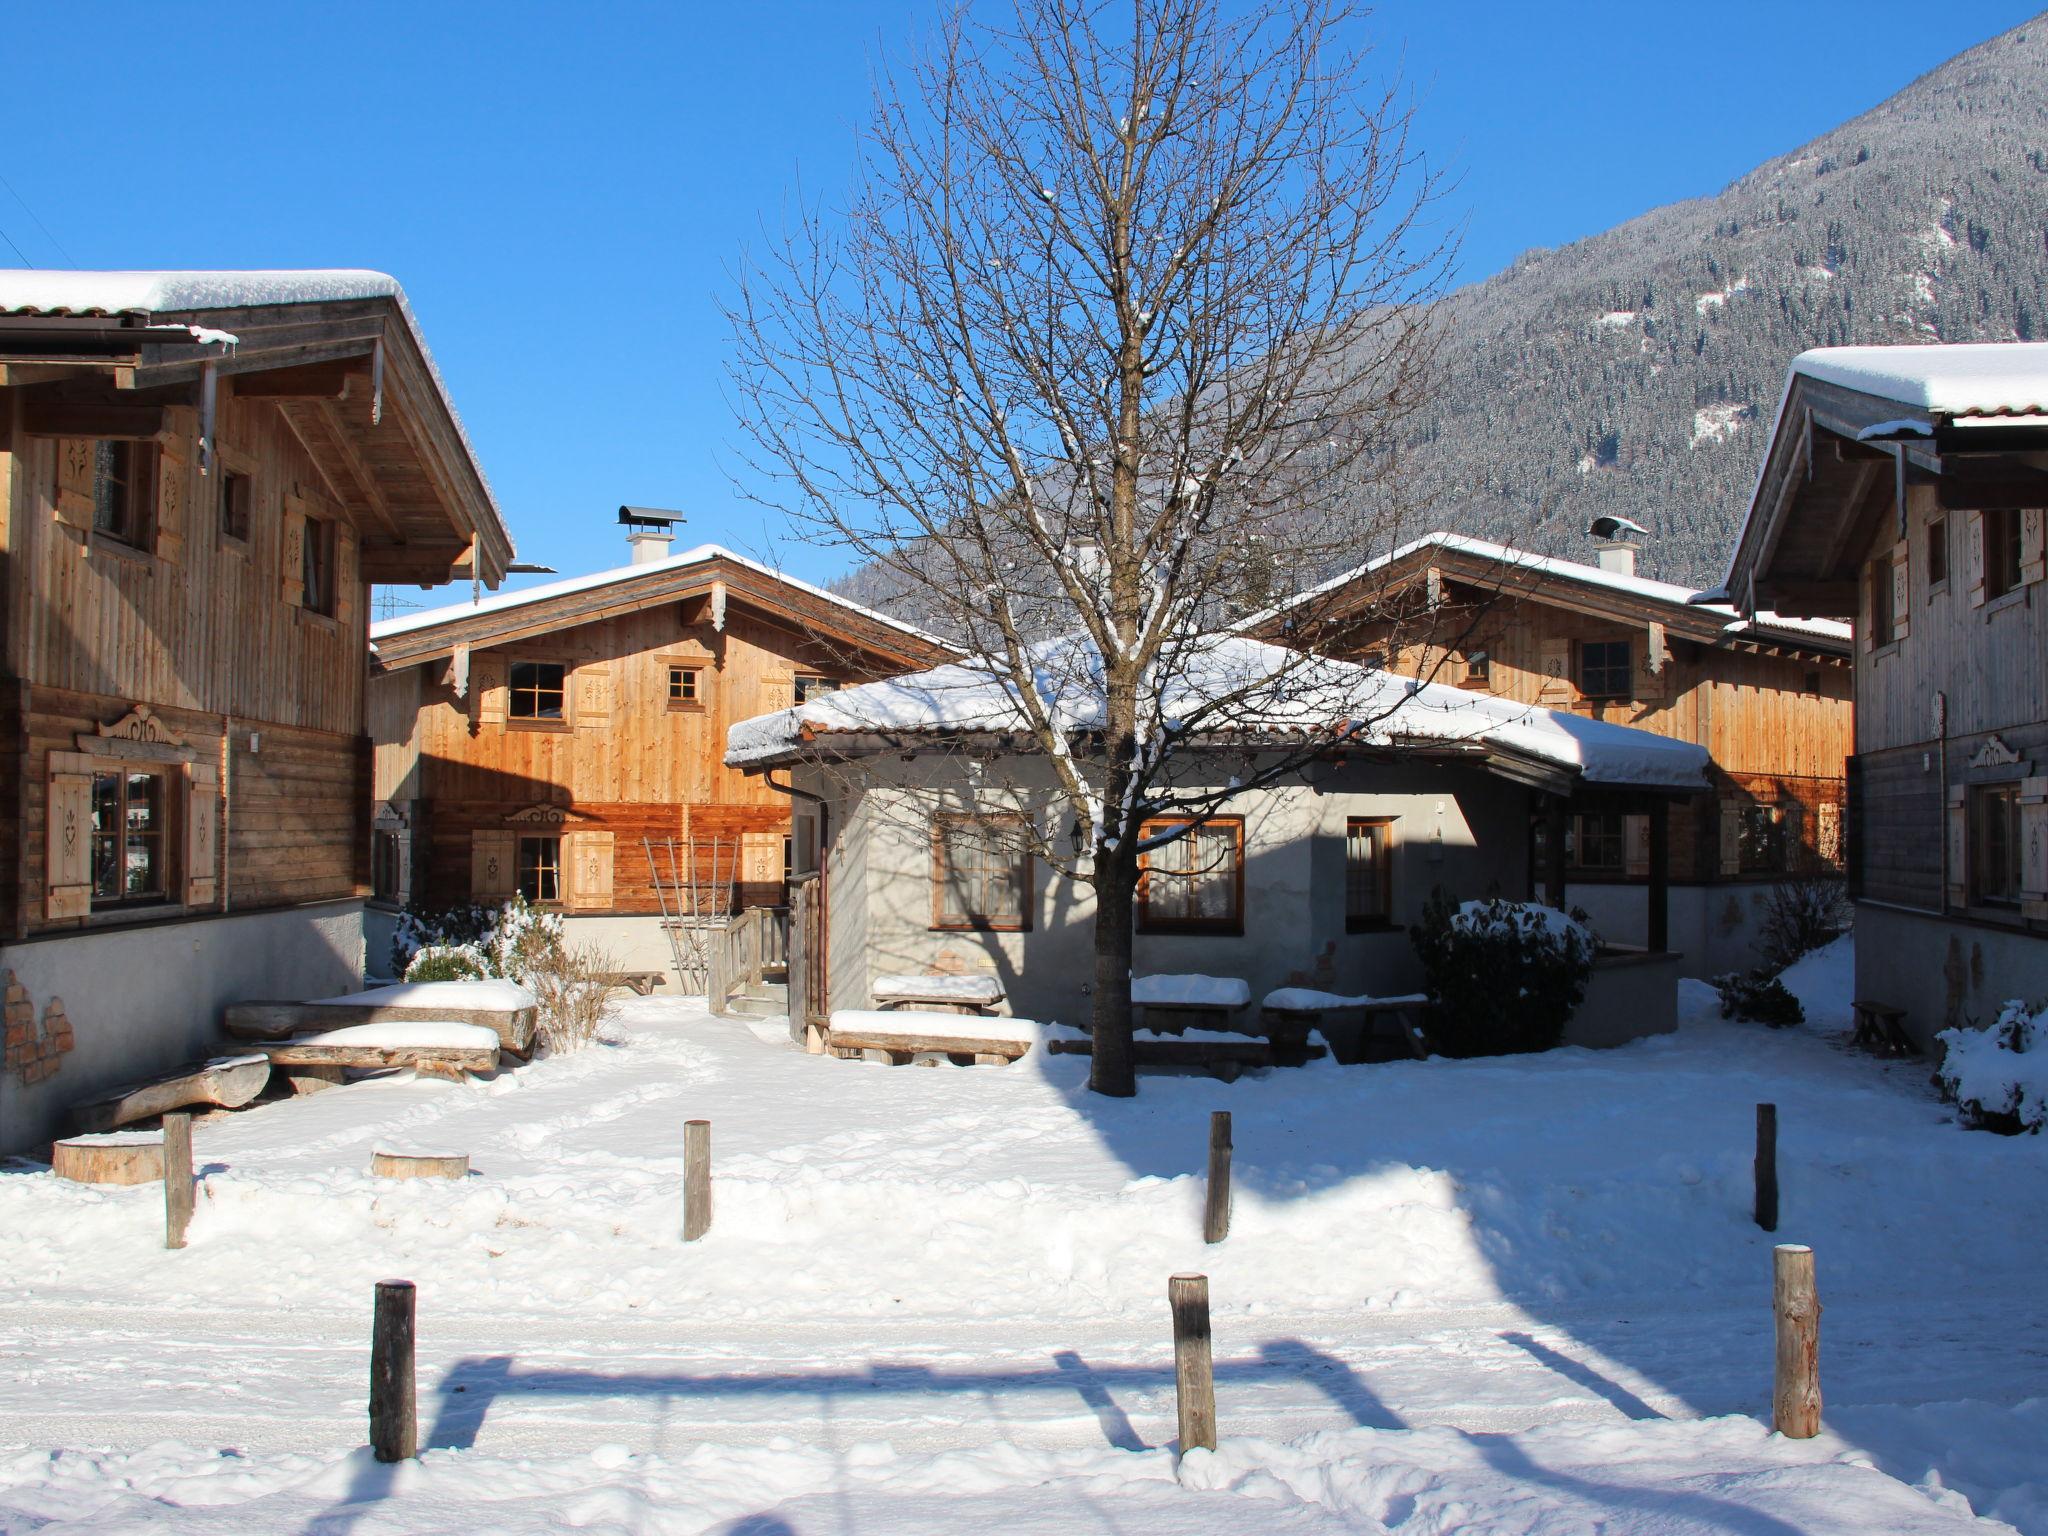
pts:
pixel 1765 839
pixel 811 687
pixel 128 844
pixel 1994 826
pixel 540 868
pixel 1478 669
pixel 317 563
pixel 685 688
pixel 1937 553
pixel 537 690
pixel 1368 879
pixel 1600 842
pixel 236 494
pixel 123 480
pixel 384 874
pixel 1194 884
pixel 2001 551
pixel 1604 669
pixel 1881 631
pixel 981 874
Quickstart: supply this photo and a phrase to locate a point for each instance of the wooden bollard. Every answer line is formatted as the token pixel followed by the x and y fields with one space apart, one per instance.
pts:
pixel 1216 1216
pixel 177 1178
pixel 1194 1372
pixel 1795 1398
pixel 1766 1208
pixel 394 1408
pixel 696 1179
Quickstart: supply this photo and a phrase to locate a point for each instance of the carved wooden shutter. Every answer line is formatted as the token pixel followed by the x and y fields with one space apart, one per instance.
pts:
pixel 291 560
pixel 2033 544
pixel 345 583
pixel 67 861
pixel 173 500
pixel 1902 590
pixel 493 870
pixel 1648 684
pixel 761 858
pixel 594 697
pixel 778 691
pixel 1973 545
pixel 487 687
pixel 1637 843
pixel 2034 846
pixel 1958 845
pixel 202 832
pixel 74 482
pixel 587 857
pixel 1731 836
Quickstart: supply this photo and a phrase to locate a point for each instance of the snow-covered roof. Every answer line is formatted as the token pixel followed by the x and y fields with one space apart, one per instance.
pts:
pixel 43 291
pixel 1263 689
pixel 503 602
pixel 1992 378
pixel 1509 558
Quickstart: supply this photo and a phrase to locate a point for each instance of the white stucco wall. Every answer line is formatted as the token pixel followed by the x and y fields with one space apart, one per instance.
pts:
pixel 144 1000
pixel 1944 974
pixel 1714 928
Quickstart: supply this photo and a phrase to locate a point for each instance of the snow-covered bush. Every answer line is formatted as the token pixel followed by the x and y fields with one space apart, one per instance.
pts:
pixel 1506 976
pixel 517 942
pixel 447 962
pixel 571 993
pixel 1998 1077
pixel 1759 997
pixel 1800 915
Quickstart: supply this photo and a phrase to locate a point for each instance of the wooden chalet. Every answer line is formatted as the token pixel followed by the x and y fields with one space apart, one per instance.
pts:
pixel 1904 488
pixel 199 473
pixel 1767 696
pixel 564 742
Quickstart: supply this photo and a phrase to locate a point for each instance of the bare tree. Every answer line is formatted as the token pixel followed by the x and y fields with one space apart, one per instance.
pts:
pixel 1111 342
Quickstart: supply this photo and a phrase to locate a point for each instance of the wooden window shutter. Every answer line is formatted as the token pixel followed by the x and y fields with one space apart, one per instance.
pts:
pixel 587 859
pixel 594 697
pixel 67 861
pixel 493 869
pixel 2034 544
pixel 202 832
pixel 1902 590
pixel 1958 845
pixel 761 858
pixel 1731 836
pixel 487 686
pixel 1636 841
pixel 1973 545
pixel 778 691
pixel 173 501
pixel 291 560
pixel 2034 846
pixel 1651 685
pixel 346 594
pixel 1555 659
pixel 74 483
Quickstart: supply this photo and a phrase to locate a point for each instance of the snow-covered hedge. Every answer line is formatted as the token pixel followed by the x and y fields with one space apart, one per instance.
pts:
pixel 1998 1077
pixel 519 943
pixel 1506 976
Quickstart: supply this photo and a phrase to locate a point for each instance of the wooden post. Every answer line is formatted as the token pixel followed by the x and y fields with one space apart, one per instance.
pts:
pixel 1555 809
pixel 394 1408
pixel 696 1179
pixel 1194 1375
pixel 1216 1217
pixel 1795 1399
pixel 177 1178
pixel 1767 1167
pixel 1658 936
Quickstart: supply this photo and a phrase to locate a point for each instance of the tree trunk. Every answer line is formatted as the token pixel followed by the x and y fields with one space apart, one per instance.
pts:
pixel 1111 1070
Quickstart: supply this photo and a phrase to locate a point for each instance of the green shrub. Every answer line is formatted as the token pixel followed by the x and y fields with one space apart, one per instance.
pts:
pixel 1506 976
pixel 446 962
pixel 1759 997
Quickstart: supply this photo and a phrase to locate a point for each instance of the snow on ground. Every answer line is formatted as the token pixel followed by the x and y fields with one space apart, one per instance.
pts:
pixel 1515 1295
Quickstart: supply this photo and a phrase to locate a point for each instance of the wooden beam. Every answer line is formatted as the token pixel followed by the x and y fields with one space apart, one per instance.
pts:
pixel 308 381
pixel 76 418
pixel 2013 488
pixel 298 432
pixel 320 422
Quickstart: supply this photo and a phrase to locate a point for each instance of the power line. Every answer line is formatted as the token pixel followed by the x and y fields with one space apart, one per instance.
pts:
pixel 4 182
pixel 15 248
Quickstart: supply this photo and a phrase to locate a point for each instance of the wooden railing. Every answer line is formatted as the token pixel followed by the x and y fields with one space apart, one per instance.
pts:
pixel 753 943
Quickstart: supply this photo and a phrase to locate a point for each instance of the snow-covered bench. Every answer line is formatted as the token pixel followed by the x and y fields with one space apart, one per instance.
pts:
pixel 504 1007
pixel 898 1037
pixel 1295 1011
pixel 959 994
pixel 1224 1053
pixel 431 1047
pixel 1171 1004
pixel 226 1082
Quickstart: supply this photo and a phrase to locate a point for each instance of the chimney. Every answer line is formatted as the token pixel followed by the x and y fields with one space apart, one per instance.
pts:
pixel 649 531
pixel 1615 540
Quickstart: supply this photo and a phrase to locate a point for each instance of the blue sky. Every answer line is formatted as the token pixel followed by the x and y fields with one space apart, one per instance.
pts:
pixel 564 190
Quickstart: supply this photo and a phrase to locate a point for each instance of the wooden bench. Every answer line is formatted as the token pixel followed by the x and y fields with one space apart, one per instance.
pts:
pixel 419 1002
pixel 1223 1058
pixel 640 983
pixel 1881 1029
pixel 898 1038
pixel 1398 1021
pixel 1170 1004
pixel 436 1048
pixel 966 994
pixel 226 1082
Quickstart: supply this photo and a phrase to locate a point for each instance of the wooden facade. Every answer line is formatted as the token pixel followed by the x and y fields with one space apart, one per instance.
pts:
pixel 186 530
pixel 1771 702
pixel 480 790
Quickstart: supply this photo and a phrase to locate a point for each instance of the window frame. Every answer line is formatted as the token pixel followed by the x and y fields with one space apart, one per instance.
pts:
pixel 1785 839
pixel 385 858
pixel 1975 797
pixel 318 576
pixel 1379 833
pixel 946 823
pixel 2009 524
pixel 165 893
pixel 1884 628
pixel 227 506
pixel 1478 669
pixel 1575 858
pixel 1627 669
pixel 136 532
pixel 542 870
pixel 1936 555
pixel 536 722
pixel 694 699
pixel 804 686
pixel 1231 924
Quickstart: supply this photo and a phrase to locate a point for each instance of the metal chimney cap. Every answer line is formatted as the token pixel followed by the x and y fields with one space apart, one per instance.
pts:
pixel 649 517
pixel 1610 527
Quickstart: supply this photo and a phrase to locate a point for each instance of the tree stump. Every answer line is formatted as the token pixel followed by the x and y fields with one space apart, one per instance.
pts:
pixel 419 1165
pixel 121 1157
